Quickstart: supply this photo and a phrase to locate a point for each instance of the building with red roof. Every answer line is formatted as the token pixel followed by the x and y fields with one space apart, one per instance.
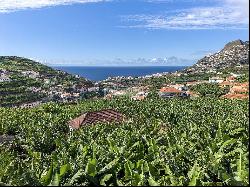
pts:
pixel 236 96
pixel 242 88
pixel 108 115
pixel 169 92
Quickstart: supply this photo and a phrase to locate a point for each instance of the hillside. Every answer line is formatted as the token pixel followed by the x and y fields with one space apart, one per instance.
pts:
pixel 200 141
pixel 24 81
pixel 234 54
pixel 232 59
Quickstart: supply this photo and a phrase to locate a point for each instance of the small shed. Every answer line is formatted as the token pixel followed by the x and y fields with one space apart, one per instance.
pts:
pixel 108 115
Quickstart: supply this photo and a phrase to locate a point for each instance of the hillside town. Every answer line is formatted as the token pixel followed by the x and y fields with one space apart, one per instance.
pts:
pixel 237 90
pixel 234 53
pixel 43 84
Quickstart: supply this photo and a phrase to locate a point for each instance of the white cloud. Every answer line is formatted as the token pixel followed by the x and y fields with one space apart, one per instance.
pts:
pixel 228 14
pixel 14 5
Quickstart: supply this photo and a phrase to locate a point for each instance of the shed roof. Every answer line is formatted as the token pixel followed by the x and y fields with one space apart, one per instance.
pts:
pixel 108 115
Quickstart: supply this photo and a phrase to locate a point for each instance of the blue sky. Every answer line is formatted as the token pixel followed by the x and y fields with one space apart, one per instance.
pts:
pixel 119 32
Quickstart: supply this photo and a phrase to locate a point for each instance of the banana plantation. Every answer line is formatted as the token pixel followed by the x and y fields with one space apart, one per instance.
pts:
pixel 175 142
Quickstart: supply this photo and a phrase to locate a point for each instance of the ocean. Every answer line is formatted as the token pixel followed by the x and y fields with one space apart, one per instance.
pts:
pixel 97 73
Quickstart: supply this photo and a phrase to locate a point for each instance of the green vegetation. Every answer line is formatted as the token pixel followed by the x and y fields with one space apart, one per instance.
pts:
pixel 244 78
pixel 210 89
pixel 164 142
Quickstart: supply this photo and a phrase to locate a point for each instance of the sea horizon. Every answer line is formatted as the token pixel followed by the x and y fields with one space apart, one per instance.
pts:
pixel 98 73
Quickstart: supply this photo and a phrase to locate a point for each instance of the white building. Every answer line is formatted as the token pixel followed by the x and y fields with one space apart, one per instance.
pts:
pixel 93 89
pixel 236 75
pixel 31 74
pixel 4 78
pixel 216 80
pixel 119 93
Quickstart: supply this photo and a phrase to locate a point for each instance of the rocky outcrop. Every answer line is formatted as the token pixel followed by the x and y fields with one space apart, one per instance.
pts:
pixel 232 44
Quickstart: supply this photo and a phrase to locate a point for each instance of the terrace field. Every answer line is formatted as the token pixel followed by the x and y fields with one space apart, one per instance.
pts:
pixel 202 141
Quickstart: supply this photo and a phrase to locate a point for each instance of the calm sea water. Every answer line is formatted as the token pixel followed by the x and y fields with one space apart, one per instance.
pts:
pixel 100 73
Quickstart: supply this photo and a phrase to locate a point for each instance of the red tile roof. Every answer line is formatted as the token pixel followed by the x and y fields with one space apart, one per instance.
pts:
pixel 226 83
pixel 170 90
pixel 245 84
pixel 239 89
pixel 108 115
pixel 236 96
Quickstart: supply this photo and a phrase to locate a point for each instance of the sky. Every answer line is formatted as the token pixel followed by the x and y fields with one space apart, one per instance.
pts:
pixel 120 32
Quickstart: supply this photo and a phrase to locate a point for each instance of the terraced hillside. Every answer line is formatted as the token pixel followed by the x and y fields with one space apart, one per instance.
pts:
pixel 235 53
pixel 23 81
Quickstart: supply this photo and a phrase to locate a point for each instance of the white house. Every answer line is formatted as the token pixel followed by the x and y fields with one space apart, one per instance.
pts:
pixel 119 93
pixel 31 74
pixel 93 89
pixel 31 105
pixel 4 78
pixel 236 75
pixel 216 80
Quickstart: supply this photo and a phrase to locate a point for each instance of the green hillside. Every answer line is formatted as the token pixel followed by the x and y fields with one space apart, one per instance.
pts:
pixel 25 80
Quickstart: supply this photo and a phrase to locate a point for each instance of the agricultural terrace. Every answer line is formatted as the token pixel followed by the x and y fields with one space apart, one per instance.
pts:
pixel 204 141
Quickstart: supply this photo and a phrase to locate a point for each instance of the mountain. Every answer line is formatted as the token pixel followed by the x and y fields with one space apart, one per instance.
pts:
pixel 233 54
pixel 23 81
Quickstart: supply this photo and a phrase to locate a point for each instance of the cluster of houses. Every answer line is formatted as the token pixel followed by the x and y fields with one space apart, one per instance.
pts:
pixel 115 87
pixel 30 105
pixel 236 90
pixel 178 90
pixel 30 74
pixel 57 93
pixel 135 93
pixel 50 87
pixel 74 94
pixel 114 81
